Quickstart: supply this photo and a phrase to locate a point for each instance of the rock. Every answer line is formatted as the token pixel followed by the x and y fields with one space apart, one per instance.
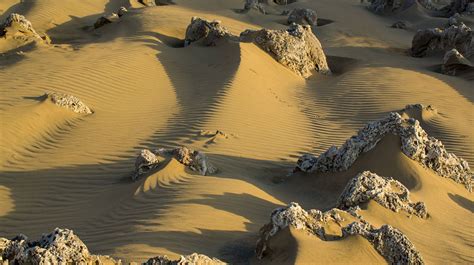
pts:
pixel 395 247
pixel 122 11
pixel 456 6
pixel 416 144
pixel 303 16
pixel 254 5
pixel 454 62
pixel 284 2
pixel 145 162
pixel 399 25
pixel 387 192
pixel 390 242
pixel 454 20
pixel 207 32
pixel 185 260
pixel 16 25
pixel 296 48
pixel 458 37
pixel 114 17
pixel 70 102
pixel 389 6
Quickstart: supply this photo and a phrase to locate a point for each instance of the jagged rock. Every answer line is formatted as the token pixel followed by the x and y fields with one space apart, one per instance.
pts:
pixel 192 259
pixel 303 16
pixel 69 102
pixel 195 160
pixel 122 11
pixel 416 144
pixel 458 37
pixel 254 5
pixel 399 25
pixel 454 62
pixel 296 48
pixel 388 192
pixel 114 17
pixel 207 32
pixel 389 6
pixel 16 25
pixel 388 241
pixel 419 108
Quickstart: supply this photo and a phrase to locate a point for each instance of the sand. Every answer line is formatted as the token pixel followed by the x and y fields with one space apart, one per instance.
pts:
pixel 62 169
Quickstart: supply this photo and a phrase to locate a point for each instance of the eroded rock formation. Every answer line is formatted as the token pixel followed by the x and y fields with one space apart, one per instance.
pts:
pixel 454 63
pixel 416 144
pixel 303 16
pixel 388 192
pixel 17 26
pixel 207 32
pixel 70 102
pixel 297 48
pixel 114 17
pixel 254 5
pixel 185 260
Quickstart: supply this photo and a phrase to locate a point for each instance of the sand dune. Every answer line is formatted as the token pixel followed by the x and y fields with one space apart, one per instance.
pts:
pixel 62 169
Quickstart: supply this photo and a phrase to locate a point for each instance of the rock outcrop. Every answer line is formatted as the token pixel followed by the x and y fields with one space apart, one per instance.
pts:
pixel 458 37
pixel 206 32
pixel 254 5
pixel 395 247
pixel 387 192
pixel 389 6
pixel 114 17
pixel 297 48
pixel 416 144
pixel 185 260
pixel 70 102
pixel 17 26
pixel 195 160
pixel 454 63
pixel 303 16
pixel 61 246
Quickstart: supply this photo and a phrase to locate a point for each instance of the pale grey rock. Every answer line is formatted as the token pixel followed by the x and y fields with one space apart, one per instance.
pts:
pixel 206 32
pixel 458 37
pixel 70 102
pixel 111 18
pixel 454 62
pixel 387 192
pixel 303 16
pixel 122 11
pixel 389 6
pixel 399 25
pixel 415 143
pixel 193 259
pixel 297 48
pixel 254 5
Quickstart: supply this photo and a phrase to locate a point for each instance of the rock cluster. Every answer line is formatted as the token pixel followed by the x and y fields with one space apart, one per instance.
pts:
pixel 303 16
pixel 458 37
pixel 416 144
pixel 454 62
pixel 70 102
pixel 61 246
pixel 388 192
pixel 114 17
pixel 185 260
pixel 297 48
pixel 254 5
pixel 388 241
pixel 389 6
pixel 207 32
pixel 195 160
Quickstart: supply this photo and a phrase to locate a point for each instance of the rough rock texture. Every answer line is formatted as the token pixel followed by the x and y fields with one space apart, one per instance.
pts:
pixel 18 27
pixel 195 160
pixel 388 241
pixel 454 62
pixel 296 48
pixel 389 6
pixel 416 144
pixel 208 32
pixel 192 259
pixel 114 17
pixel 388 192
pixel 254 5
pixel 303 16
pixel 69 102
pixel 459 37
pixel 399 25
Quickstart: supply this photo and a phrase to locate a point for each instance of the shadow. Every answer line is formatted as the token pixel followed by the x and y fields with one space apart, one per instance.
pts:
pixel 21 8
pixel 323 22
pixel 462 201
pixel 14 56
pixel 340 65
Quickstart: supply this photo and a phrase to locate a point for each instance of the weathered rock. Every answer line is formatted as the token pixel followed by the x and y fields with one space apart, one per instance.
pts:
pixel 389 6
pixel 296 48
pixel 399 25
pixel 16 25
pixel 388 241
pixel 145 162
pixel 454 62
pixel 416 144
pixel 388 192
pixel 192 259
pixel 303 16
pixel 458 37
pixel 207 32
pixel 254 5
pixel 70 102
pixel 456 6
pixel 122 11
pixel 114 17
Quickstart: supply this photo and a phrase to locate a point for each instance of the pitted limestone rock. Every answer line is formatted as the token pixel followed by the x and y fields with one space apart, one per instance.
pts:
pixel 208 32
pixel 297 48
pixel 192 259
pixel 70 102
pixel 454 62
pixel 388 192
pixel 416 144
pixel 303 16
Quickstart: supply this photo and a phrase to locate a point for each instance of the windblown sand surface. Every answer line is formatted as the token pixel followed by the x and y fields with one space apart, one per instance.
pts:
pixel 62 169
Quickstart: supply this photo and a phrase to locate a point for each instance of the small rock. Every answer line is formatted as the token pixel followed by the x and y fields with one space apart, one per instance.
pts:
pixel 399 25
pixel 145 162
pixel 303 16
pixel 69 102
pixel 454 62
pixel 122 11
pixel 185 260
pixel 147 2
pixel 389 6
pixel 114 17
pixel 254 5
pixel 208 32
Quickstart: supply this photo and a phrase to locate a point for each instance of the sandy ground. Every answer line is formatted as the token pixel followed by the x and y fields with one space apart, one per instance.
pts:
pixel 60 169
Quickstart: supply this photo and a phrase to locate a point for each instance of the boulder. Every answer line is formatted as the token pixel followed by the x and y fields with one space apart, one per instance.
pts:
pixel 185 260
pixel 303 16
pixel 145 162
pixel 415 143
pixel 387 192
pixel 458 37
pixel 399 25
pixel 70 102
pixel 454 63
pixel 389 6
pixel 297 48
pixel 209 33
pixel 16 25
pixel 254 5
